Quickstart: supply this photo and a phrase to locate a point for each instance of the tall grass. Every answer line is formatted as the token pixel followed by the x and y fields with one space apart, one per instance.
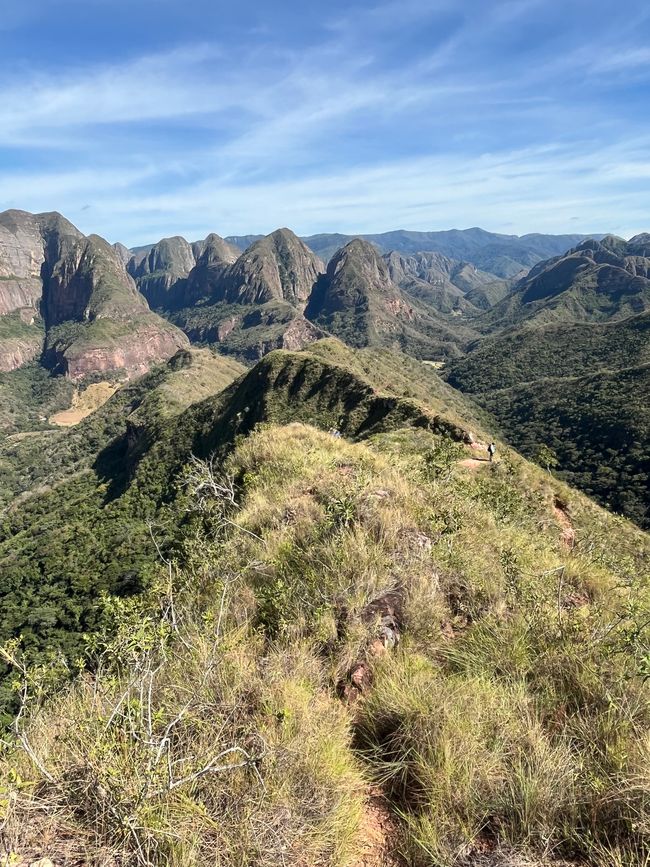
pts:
pixel 513 715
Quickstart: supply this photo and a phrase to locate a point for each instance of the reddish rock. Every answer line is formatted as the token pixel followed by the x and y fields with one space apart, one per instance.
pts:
pixel 16 352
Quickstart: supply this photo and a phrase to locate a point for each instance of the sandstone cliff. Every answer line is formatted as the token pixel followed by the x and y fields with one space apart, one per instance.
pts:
pixel 78 290
pixel 278 267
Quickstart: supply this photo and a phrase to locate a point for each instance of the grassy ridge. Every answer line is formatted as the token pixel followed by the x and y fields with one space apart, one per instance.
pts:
pixel 79 503
pixel 512 716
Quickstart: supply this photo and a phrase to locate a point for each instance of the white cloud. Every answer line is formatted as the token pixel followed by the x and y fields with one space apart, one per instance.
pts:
pixel 247 139
pixel 520 191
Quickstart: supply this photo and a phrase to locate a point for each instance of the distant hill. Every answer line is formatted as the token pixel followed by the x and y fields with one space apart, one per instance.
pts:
pixel 502 255
pixel 595 281
pixel 357 301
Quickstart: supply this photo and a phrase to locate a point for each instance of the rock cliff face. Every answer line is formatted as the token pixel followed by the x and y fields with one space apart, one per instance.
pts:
pixel 14 352
pixel 94 317
pixel 214 256
pixel 132 353
pixel 159 270
pixel 123 252
pixel 279 267
pixel 26 240
pixel 87 282
pixel 357 301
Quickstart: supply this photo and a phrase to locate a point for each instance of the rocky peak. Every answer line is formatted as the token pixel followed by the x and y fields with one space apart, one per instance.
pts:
pixel 355 275
pixel 639 245
pixel 174 255
pixel 216 251
pixel 160 271
pixel 214 257
pixel 614 244
pixel 123 252
pixel 277 267
pixel 356 299
pixel 89 280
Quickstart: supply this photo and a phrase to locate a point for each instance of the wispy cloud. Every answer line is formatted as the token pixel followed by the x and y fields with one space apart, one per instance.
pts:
pixel 371 117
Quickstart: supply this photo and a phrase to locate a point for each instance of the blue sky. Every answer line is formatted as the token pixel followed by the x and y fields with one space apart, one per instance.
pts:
pixel 144 118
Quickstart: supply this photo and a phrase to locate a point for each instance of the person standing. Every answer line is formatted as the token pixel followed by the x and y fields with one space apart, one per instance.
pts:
pixel 491 450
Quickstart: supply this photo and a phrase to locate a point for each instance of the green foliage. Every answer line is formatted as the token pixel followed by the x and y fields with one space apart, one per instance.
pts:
pixel 577 394
pixel 223 569
pixel 14 327
pixel 246 331
pixel 597 427
pixel 566 349
pixel 28 396
pixel 546 457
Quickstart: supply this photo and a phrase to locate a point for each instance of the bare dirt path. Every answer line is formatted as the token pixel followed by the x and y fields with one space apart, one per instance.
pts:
pixel 473 463
pixel 568 534
pixel 378 834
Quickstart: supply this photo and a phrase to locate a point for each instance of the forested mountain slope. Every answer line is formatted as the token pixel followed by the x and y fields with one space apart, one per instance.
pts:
pixel 563 368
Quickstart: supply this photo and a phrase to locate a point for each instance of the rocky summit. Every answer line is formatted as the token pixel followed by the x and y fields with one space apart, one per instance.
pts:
pixel 279 267
pixel 70 302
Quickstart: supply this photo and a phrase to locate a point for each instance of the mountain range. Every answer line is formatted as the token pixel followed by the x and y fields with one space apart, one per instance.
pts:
pixel 264 597
pixel 526 347
pixel 502 255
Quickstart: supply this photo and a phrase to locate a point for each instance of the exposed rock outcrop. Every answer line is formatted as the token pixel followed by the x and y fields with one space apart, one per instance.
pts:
pixel 123 252
pixel 133 353
pixel 214 257
pixel 278 267
pixel 14 352
pixel 159 271
pixel 26 242
pixel 89 281
pixel 95 319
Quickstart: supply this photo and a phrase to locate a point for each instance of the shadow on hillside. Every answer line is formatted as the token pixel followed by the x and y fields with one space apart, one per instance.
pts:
pixel 112 466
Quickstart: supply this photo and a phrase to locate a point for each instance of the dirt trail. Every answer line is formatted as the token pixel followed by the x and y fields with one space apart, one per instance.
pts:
pixel 473 463
pixel 568 534
pixel 378 831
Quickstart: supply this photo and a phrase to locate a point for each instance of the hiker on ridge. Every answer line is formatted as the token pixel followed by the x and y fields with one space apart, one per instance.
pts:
pixel 491 450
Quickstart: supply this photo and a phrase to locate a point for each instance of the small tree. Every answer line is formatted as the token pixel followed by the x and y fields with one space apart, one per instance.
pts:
pixel 547 457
